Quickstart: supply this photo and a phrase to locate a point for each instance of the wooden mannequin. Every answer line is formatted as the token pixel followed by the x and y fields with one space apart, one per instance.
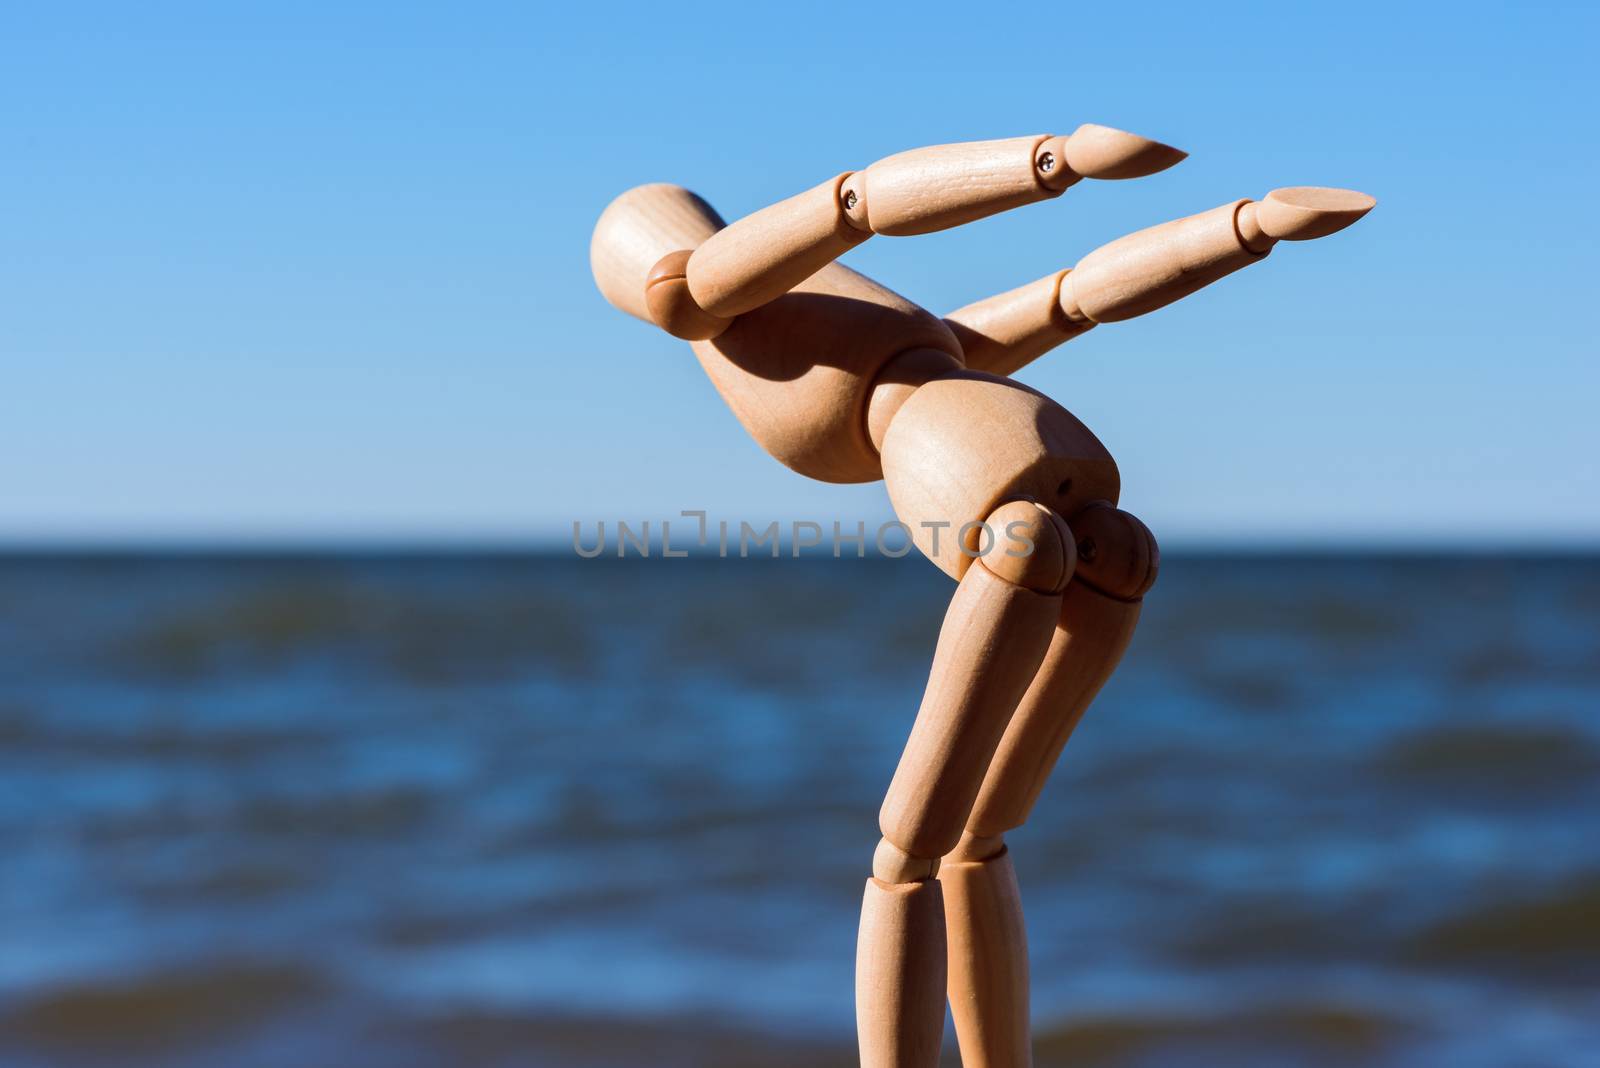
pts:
pixel 845 381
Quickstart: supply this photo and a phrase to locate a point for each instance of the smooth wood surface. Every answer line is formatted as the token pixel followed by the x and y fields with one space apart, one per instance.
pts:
pixel 935 188
pixel 1030 546
pixel 964 443
pixel 987 944
pixel 672 308
pixel 1156 266
pixel 1006 332
pixel 636 230
pixel 993 639
pixel 1152 268
pixel 765 254
pixel 1117 554
pixel 891 864
pixel 1307 212
pixel 1091 633
pixel 1248 227
pixel 1144 271
pixel 1103 152
pixel 898 380
pixel 798 372
pixel 900 974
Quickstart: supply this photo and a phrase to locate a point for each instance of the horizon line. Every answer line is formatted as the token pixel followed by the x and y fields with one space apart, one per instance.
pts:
pixel 328 547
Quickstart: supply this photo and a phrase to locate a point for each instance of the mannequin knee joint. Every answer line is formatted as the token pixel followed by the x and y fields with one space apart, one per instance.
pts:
pixel 891 864
pixel 1032 547
pixel 1117 554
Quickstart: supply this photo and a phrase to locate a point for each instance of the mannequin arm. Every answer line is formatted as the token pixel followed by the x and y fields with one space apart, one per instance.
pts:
pixel 764 255
pixel 1144 271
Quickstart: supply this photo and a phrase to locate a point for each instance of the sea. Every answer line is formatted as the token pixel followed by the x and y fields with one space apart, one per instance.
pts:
pixel 478 808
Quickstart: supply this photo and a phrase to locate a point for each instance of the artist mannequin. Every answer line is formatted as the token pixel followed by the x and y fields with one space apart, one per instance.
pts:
pixel 845 381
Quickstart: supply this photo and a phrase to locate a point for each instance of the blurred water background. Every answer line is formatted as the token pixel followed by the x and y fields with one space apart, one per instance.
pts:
pixel 494 810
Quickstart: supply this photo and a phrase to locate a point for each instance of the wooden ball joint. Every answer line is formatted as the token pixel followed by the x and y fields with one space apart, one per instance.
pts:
pixel 666 294
pixel 843 380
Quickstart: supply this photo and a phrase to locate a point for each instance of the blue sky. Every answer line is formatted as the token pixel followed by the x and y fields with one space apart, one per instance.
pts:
pixel 287 273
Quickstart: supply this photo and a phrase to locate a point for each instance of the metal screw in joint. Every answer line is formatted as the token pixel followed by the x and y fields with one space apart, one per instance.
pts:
pixel 1086 550
pixel 1047 162
pixel 849 199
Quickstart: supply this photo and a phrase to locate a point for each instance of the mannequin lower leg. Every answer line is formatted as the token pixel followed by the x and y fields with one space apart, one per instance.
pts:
pixel 900 962
pixel 987 955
